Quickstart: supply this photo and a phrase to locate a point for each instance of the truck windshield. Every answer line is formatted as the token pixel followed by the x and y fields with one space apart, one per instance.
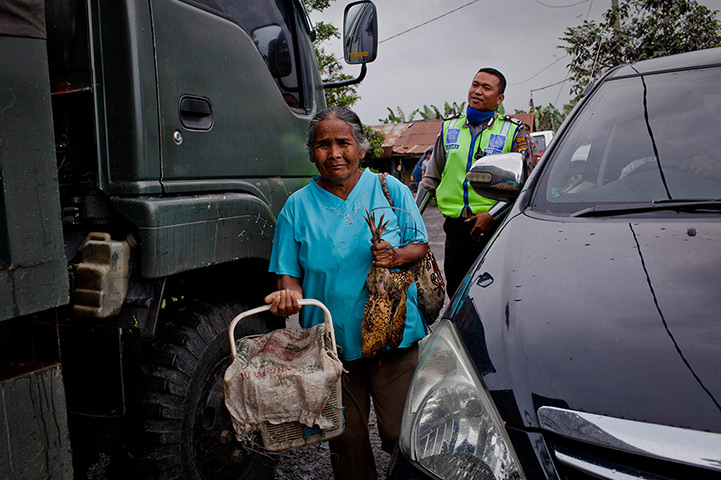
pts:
pixel 271 26
pixel 639 140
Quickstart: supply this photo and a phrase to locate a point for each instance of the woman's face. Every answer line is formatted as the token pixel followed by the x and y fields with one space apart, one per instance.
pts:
pixel 335 151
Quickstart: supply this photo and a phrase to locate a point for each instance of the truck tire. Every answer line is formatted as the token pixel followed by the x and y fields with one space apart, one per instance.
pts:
pixel 188 428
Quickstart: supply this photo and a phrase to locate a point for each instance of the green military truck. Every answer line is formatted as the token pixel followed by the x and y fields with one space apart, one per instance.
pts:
pixel 146 148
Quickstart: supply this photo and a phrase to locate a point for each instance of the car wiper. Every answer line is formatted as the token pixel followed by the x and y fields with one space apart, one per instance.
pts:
pixel 673 204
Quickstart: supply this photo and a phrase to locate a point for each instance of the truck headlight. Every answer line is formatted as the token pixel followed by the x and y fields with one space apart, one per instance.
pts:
pixel 450 425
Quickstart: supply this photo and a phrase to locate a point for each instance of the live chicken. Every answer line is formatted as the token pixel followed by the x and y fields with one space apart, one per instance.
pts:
pixel 384 316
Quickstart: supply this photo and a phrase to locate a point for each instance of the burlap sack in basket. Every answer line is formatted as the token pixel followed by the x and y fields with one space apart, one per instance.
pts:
pixel 284 376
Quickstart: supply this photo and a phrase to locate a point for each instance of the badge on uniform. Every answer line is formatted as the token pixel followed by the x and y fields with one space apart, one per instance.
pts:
pixel 496 142
pixel 452 135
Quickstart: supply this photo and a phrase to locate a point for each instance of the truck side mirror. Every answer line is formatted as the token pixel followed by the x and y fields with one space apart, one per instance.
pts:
pixel 360 39
pixel 360 33
pixel 498 177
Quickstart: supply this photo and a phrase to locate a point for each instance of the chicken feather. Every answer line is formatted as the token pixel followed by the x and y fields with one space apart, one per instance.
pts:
pixel 384 316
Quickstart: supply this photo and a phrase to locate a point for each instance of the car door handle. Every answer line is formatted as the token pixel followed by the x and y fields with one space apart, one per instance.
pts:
pixel 196 113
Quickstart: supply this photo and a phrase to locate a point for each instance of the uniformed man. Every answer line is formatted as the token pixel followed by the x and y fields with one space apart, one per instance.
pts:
pixel 470 219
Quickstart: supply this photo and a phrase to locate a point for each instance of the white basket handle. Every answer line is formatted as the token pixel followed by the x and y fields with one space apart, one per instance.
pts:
pixel 305 301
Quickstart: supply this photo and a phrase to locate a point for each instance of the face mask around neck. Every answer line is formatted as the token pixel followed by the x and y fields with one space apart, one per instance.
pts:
pixel 476 117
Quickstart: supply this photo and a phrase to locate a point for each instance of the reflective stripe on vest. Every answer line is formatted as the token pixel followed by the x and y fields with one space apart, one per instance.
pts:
pixel 454 193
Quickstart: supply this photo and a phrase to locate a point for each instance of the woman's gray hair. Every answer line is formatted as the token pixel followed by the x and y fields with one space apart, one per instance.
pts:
pixel 340 113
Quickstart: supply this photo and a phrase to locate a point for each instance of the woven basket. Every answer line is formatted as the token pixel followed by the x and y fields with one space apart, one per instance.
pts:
pixel 294 434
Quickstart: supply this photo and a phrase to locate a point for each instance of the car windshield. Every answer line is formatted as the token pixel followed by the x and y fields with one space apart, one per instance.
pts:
pixel 639 140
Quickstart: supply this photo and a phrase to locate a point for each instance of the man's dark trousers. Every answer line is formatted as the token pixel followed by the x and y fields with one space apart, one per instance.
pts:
pixel 460 252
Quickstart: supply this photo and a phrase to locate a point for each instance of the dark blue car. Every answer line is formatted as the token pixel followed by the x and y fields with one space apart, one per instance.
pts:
pixel 585 342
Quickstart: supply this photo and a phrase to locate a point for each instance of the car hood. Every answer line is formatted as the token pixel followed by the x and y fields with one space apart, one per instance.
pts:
pixel 611 317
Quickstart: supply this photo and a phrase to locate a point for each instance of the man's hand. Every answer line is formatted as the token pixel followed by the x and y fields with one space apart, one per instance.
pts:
pixel 482 225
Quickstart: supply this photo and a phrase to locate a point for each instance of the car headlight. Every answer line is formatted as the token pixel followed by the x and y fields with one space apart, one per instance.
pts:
pixel 450 425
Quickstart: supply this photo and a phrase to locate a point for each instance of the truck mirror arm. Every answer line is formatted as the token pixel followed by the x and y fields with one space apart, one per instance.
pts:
pixel 352 81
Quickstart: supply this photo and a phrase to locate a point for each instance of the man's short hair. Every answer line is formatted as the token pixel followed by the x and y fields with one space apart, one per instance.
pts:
pixel 497 74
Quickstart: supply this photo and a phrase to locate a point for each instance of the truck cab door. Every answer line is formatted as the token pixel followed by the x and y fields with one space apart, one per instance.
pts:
pixel 233 92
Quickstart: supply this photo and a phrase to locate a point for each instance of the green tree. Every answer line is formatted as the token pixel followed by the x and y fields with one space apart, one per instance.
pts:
pixel 450 110
pixel 330 67
pixel 637 30
pixel 376 139
pixel 547 118
pixel 398 116
pixel 427 112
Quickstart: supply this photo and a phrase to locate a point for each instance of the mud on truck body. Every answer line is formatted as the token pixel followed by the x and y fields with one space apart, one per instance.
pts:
pixel 146 148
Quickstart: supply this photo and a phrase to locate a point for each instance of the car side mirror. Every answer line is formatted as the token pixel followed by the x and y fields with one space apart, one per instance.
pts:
pixel 498 177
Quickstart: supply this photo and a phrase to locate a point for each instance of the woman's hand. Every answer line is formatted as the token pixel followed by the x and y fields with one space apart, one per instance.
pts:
pixel 383 255
pixel 387 257
pixel 284 301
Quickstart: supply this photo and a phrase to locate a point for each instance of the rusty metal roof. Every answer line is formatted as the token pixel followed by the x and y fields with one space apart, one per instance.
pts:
pixel 412 138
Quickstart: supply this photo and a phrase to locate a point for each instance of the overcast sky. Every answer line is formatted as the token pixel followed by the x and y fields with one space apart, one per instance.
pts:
pixel 435 63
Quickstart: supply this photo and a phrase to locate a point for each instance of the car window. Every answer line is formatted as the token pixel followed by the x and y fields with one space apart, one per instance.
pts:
pixel 612 154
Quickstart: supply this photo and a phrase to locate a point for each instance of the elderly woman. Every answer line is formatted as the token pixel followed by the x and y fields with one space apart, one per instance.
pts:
pixel 322 249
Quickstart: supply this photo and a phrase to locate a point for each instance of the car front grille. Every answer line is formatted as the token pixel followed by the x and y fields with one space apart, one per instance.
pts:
pixel 579 461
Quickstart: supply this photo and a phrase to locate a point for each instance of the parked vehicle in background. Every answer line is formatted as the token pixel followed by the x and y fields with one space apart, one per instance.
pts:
pixel 146 147
pixel 584 342
pixel 541 141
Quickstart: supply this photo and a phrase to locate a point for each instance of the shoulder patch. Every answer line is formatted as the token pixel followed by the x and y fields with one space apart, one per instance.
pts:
pixel 512 119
